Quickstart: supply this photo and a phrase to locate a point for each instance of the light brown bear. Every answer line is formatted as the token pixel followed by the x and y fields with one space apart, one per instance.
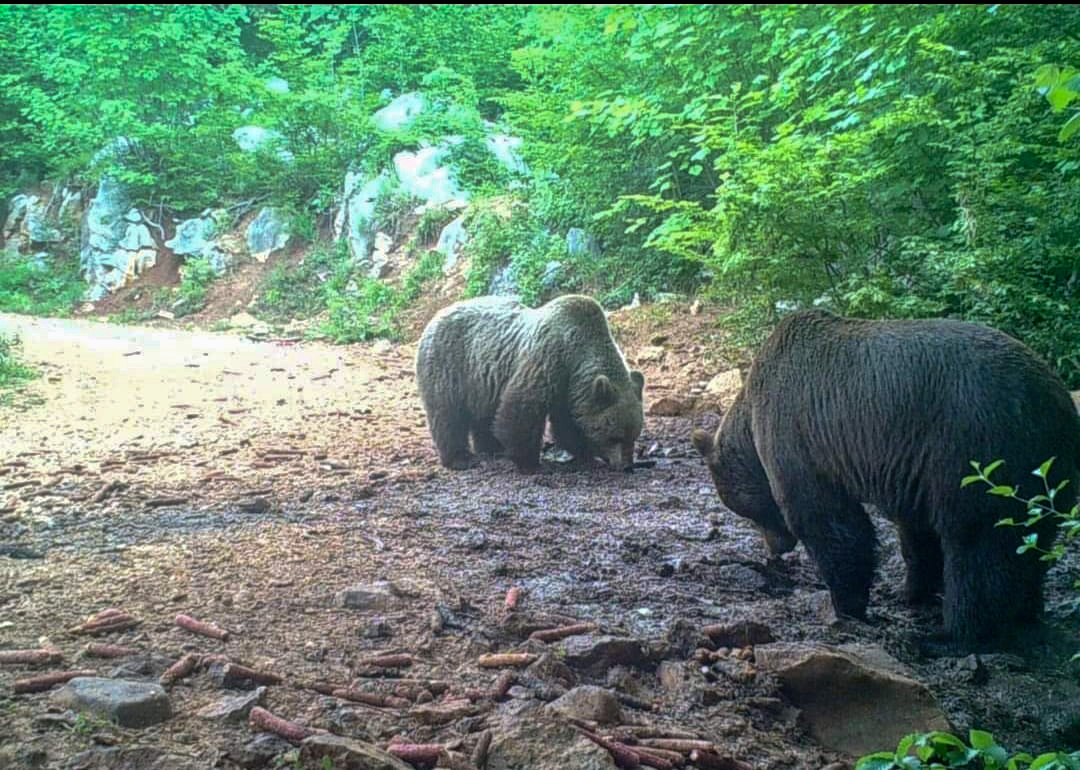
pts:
pixel 837 412
pixel 496 370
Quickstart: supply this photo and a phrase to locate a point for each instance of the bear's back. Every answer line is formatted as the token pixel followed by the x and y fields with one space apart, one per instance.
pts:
pixel 880 403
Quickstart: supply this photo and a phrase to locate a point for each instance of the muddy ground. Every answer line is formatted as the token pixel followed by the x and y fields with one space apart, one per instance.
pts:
pixel 164 472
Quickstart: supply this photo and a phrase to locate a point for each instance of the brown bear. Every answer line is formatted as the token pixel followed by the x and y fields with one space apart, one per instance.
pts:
pixel 496 370
pixel 838 412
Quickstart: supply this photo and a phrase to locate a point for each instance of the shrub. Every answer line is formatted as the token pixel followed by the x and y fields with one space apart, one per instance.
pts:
pixel 944 750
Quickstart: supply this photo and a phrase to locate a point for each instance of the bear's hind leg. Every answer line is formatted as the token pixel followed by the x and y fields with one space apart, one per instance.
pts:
pixel 990 590
pixel 838 535
pixel 921 549
pixel 484 441
pixel 450 431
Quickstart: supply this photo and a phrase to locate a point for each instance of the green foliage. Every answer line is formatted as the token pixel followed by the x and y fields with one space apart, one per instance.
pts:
pixel 944 750
pixel 39 289
pixel 198 274
pixel 431 224
pixel 296 291
pixel 12 369
pixel 1061 87
pixel 883 160
pixel 1039 507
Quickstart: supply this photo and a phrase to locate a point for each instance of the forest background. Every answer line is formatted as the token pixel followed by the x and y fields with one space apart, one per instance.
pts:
pixel 877 160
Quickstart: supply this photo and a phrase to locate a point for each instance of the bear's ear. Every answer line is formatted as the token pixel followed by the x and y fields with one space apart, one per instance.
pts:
pixel 603 391
pixel 638 379
pixel 702 441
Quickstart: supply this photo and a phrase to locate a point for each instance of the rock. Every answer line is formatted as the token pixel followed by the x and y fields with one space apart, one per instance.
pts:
pixel 720 391
pixel 452 242
pixel 113 250
pixel 346 754
pixel 235 709
pixel 442 713
pixel 21 757
pixel 529 741
pixel 355 218
pixel 670 406
pixel 597 654
pixel 422 175
pixel 695 307
pixel 198 238
pixel 251 138
pixel 550 669
pixel 672 675
pixel 266 234
pixel 259 752
pixel 380 255
pixel 504 282
pixel 377 628
pixel 856 698
pixel 400 113
pixel 591 703
pixel 1076 398
pixel 277 85
pixel 506 150
pixel 28 222
pixel 370 596
pixel 650 354
pixel 741 633
pixel 740 577
pixel 128 703
pixel 580 243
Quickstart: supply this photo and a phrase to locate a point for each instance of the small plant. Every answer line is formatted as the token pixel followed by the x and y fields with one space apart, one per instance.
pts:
pixel 1039 507
pixel 191 295
pixel 431 224
pixel 12 370
pixel 943 750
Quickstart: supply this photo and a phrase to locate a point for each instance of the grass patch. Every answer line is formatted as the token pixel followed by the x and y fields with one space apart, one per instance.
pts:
pixel 31 287
pixel 13 372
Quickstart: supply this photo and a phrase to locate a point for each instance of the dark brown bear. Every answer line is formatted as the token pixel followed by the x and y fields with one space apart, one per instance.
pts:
pixel 837 412
pixel 496 370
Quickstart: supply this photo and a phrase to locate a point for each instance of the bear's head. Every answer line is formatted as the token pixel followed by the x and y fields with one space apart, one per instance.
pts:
pixel 611 418
pixel 740 478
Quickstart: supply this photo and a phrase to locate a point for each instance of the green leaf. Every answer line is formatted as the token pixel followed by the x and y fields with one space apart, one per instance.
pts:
pixel 967 480
pixel 1043 469
pixel 1059 97
pixel 1072 125
pixel 1046 76
pixel 1002 490
pixel 992 467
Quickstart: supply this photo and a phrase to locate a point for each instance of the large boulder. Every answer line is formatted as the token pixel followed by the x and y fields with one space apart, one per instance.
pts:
pixel 452 242
pixel 855 699
pixel 266 234
pixel 28 222
pixel 116 245
pixel 198 237
pixel 423 176
pixel 400 113
pixel 355 220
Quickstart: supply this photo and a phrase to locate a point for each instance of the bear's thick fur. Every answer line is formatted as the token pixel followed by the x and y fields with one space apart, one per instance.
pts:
pixel 494 369
pixel 838 412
